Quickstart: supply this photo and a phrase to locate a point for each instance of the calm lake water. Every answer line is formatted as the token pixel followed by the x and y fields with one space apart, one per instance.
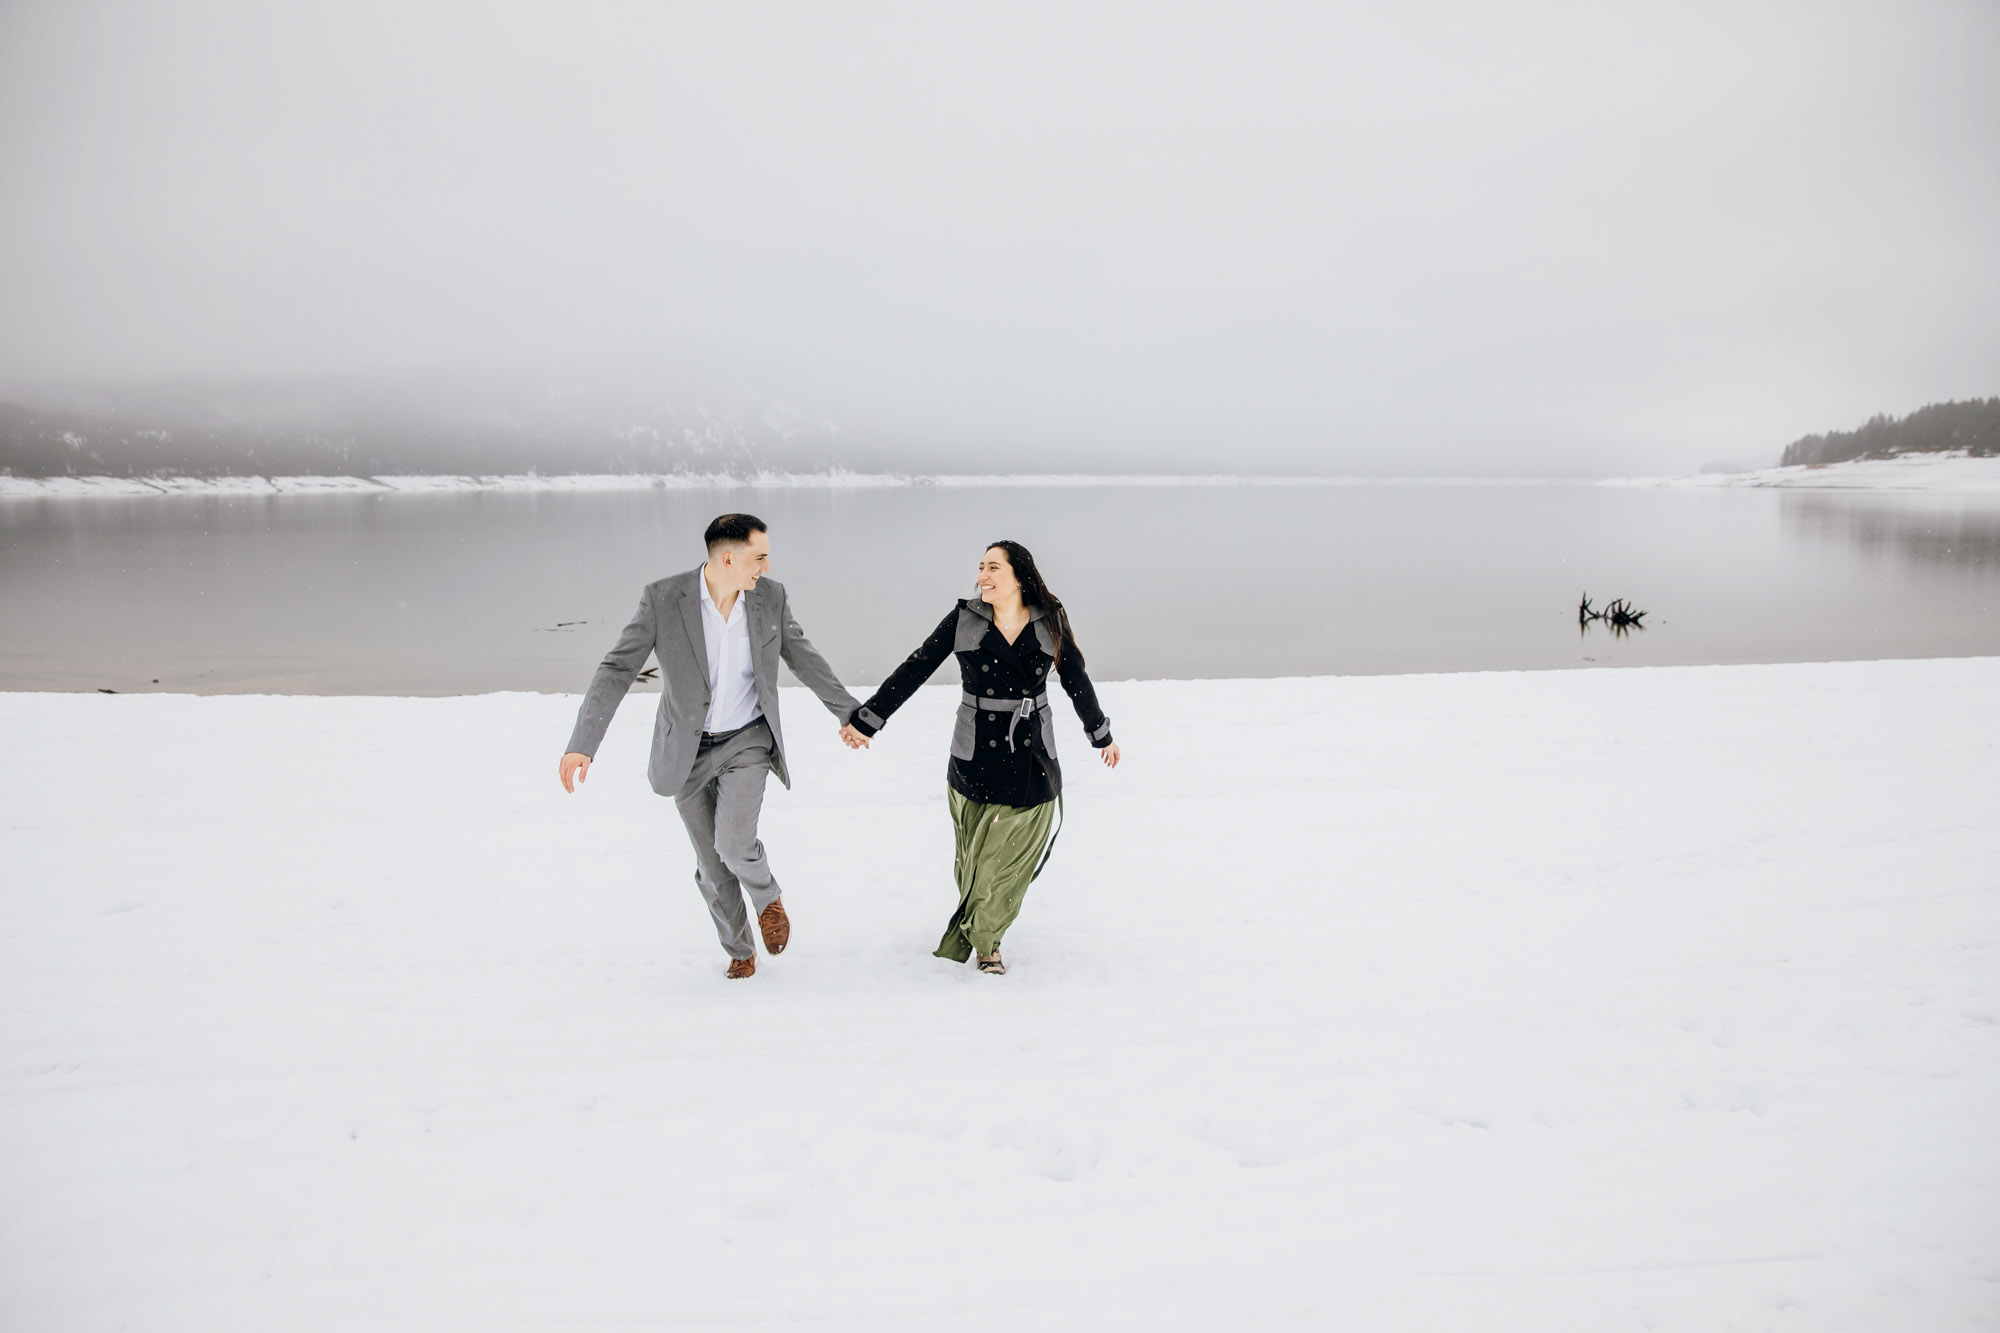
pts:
pixel 458 593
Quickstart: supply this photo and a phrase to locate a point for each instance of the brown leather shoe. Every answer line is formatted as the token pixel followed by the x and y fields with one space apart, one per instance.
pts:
pixel 740 968
pixel 777 927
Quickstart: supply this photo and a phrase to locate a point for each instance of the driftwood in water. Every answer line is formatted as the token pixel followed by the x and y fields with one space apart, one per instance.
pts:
pixel 1620 615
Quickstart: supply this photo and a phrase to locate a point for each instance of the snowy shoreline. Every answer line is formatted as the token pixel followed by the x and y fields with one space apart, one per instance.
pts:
pixel 129 487
pixel 1911 472
pixel 1926 472
pixel 1565 1001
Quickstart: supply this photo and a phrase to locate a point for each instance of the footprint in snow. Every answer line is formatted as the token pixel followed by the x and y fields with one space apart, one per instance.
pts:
pixel 1253 1145
pixel 1057 1151
pixel 760 1206
pixel 1260 1131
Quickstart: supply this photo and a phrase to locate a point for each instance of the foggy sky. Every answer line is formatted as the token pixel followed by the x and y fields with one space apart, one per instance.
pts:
pixel 1458 237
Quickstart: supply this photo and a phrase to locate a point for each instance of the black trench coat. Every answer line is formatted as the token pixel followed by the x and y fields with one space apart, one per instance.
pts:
pixel 1003 744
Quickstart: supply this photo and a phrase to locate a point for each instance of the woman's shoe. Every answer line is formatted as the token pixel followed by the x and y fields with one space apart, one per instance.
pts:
pixel 990 963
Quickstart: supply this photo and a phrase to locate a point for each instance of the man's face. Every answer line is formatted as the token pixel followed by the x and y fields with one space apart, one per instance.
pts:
pixel 743 565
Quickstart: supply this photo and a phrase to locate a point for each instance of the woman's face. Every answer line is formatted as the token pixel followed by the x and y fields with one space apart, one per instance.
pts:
pixel 996 577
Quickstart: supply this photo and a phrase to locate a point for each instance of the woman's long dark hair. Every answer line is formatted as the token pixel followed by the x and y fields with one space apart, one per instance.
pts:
pixel 1034 592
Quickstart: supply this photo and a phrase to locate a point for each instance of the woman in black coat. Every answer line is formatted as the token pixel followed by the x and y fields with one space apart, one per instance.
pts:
pixel 1003 780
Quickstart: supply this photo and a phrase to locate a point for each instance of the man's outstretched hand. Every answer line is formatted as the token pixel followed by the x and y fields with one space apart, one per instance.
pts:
pixel 855 740
pixel 575 768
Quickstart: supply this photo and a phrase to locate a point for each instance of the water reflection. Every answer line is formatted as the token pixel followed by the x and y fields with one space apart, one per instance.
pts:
pixel 1956 531
pixel 452 593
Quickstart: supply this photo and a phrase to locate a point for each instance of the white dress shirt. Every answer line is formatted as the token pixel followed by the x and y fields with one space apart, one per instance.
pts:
pixel 732 681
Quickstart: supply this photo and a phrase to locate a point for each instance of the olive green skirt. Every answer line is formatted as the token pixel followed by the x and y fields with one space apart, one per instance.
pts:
pixel 998 853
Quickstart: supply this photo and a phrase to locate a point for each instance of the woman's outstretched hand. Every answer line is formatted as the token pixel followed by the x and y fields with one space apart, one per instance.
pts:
pixel 1110 753
pixel 855 740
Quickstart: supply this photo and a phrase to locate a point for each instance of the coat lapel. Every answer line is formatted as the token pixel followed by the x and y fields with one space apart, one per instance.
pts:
pixel 1038 621
pixel 1005 652
pixel 975 622
pixel 691 621
pixel 757 621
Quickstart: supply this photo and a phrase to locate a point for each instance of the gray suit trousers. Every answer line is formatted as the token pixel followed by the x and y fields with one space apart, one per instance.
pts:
pixel 720 803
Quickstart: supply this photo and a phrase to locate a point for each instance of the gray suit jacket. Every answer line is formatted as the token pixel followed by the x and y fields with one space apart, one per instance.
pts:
pixel 668 624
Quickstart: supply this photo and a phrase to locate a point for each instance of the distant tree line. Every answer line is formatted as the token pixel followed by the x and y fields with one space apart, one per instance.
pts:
pixel 368 440
pixel 1973 426
pixel 47 444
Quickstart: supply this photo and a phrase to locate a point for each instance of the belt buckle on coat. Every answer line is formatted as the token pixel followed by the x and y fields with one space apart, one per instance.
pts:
pixel 1019 715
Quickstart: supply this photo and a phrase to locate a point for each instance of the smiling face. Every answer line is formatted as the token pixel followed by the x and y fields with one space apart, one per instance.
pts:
pixel 997 584
pixel 739 567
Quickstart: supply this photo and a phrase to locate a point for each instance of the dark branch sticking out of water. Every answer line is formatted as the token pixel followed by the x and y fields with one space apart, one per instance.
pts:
pixel 1620 616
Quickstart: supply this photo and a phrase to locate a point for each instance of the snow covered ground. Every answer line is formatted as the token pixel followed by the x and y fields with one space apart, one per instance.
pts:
pixel 1590 1000
pixel 1910 472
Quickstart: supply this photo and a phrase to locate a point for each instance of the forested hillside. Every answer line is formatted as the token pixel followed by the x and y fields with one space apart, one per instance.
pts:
pixel 1973 426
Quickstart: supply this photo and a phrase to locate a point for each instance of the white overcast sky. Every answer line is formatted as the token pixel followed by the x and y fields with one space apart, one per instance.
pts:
pixel 1410 238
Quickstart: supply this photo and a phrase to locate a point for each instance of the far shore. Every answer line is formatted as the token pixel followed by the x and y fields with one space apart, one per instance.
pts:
pixel 1906 472
pixel 1910 472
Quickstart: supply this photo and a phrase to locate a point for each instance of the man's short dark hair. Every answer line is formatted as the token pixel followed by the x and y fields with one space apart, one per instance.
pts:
pixel 732 530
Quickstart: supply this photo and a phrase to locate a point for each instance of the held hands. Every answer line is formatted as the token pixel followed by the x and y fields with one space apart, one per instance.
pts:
pixel 574 768
pixel 856 741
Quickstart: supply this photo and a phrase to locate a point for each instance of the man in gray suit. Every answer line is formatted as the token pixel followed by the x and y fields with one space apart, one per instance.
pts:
pixel 719 632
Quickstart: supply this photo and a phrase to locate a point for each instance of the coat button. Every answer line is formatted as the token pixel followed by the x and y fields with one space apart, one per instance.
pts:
pixel 984 667
pixel 992 744
pixel 989 690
